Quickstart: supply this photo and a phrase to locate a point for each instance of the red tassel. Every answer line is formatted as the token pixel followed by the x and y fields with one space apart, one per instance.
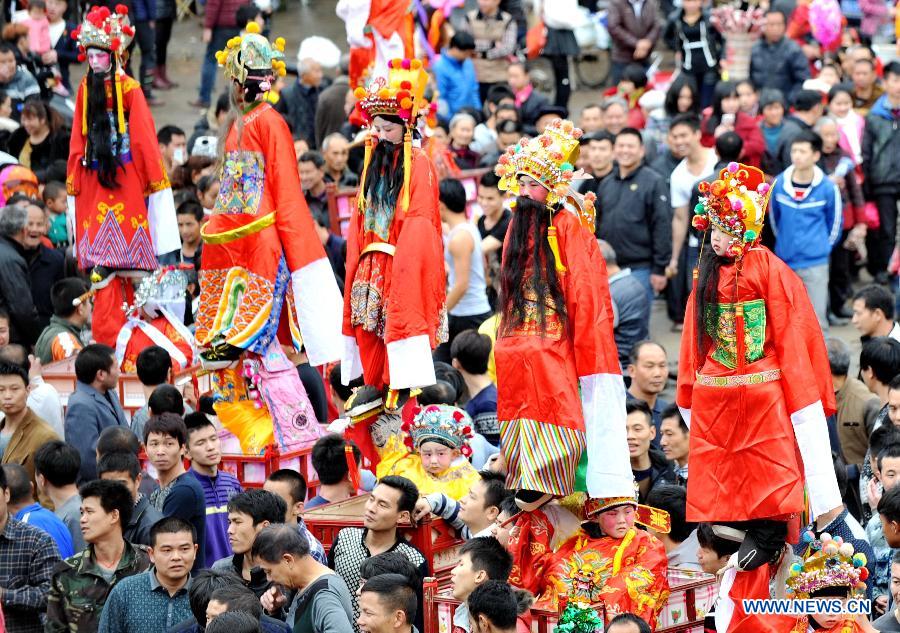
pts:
pixel 352 468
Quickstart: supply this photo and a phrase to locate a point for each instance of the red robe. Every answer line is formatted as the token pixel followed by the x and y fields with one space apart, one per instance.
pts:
pixel 746 440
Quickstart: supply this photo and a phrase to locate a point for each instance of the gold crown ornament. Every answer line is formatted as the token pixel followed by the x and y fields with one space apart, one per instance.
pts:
pixel 104 29
pixel 735 203
pixel 827 563
pixel 252 52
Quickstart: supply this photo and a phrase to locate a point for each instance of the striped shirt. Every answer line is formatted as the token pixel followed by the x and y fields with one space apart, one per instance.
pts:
pixel 139 604
pixel 217 492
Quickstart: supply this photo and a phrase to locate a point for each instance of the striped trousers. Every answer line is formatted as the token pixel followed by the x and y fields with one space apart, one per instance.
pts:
pixel 541 456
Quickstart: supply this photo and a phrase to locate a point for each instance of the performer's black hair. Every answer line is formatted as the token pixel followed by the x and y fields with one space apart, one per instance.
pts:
pixel 707 298
pixel 529 253
pixel 103 141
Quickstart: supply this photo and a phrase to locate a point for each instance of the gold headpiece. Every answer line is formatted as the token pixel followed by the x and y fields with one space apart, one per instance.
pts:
pixel 104 29
pixel 252 52
pixel 400 94
pixel 653 518
pixel 828 562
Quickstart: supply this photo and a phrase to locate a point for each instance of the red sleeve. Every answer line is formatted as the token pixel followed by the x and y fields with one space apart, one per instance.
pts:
pixel 706 135
pixel 418 288
pixel 76 146
pixel 142 136
pixel 353 249
pixel 687 362
pixel 754 143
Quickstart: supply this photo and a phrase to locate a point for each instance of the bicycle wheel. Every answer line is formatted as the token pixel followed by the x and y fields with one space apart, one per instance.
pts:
pixel 592 68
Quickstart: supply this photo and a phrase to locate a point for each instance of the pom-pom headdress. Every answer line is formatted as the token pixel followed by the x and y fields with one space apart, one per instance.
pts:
pixel 439 423
pixel 653 518
pixel 252 55
pixel 828 563
pixel 736 204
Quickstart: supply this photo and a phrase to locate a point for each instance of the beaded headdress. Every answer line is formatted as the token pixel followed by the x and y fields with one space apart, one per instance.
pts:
pixel 252 52
pixel 736 204
pixel 828 562
pixel 163 288
pixel 104 29
pixel 653 518
pixel 440 423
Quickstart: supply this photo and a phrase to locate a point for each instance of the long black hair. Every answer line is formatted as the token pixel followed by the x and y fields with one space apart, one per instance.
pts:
pixel 707 299
pixel 104 141
pixel 722 90
pixel 528 263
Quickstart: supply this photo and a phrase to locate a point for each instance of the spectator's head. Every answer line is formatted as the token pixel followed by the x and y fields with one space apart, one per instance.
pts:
pixel 675 437
pixel 207 191
pixel 488 7
pixel 203 584
pixel 190 216
pixel 4 328
pixel 392 502
pixel 830 74
pixel 153 366
pixel 599 147
pixel 672 499
pixel 628 623
pixel 335 151
pixel 340 392
pixel 609 255
pixel 54 196
pixel 684 134
pixel 235 622
pixel 7 63
pixel 889 466
pixel 166 399
pixel 892 81
pixel 714 551
pixel 312 170
pixel 493 608
pixel 172 145
pixel 21 490
pixel 387 604
pixel 725 101
pixel 772 106
pixel 329 458
pixel 489 197
pixel 233 598
pixel 106 508
pixel 249 13
pixel 280 550
pixel 838 357
pixel 615 115
pixel 648 367
pixel 829 131
pixel 517 75
pixel 56 10
pixel 118 439
pixel 809 102
pixel 65 295
pixel 461 46
pixel 13 390
pixel 893 400
pixel 682 96
pixel 173 548
pixel 480 559
pixel 591 118
pixel 56 465
pixel 452 200
pixel 873 311
pixel 879 439
pixel 634 77
pixel 629 149
pixel 748 97
pixel 806 149
pixel 248 513
pixel 509 131
pixel 895 577
pixel 391 562
pixel 309 72
pixel 96 366
pixel 879 362
pixel 164 440
pixel 14 221
pixel 470 352
pixel 124 468
pixel 461 129
pixel 840 100
pixel 640 429
pixel 480 508
pixel 202 444
pixel 775 26
pixel 290 486
pixel 889 510
pixel 863 75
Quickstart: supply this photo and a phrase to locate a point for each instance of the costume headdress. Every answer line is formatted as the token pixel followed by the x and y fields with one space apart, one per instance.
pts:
pixel 253 55
pixel 658 520
pixel 440 423
pixel 109 31
pixel 163 289
pixel 736 204
pixel 549 159
pixel 827 563
pixel 401 94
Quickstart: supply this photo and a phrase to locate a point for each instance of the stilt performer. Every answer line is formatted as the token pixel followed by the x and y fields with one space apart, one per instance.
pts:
pixel 265 280
pixel 560 385
pixel 120 200
pixel 754 384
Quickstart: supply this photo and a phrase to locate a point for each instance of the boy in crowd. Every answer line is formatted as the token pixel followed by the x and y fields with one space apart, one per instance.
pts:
pixel 480 559
pixel 291 487
pixel 470 352
pixel 56 466
pixel 126 469
pixel 179 494
pixel 475 514
pixel 329 458
pixel 492 608
pixel 387 605
pixel 62 338
pixel 218 486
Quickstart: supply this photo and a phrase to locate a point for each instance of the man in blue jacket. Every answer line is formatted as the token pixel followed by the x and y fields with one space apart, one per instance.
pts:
pixel 455 75
pixel 806 217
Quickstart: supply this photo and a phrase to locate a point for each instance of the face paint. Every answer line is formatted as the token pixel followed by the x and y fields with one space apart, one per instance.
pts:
pixel 98 60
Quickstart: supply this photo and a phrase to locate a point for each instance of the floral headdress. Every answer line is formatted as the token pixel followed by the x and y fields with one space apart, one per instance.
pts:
pixel 828 562
pixel 440 423
pixel 658 520
pixel 736 204
pixel 252 52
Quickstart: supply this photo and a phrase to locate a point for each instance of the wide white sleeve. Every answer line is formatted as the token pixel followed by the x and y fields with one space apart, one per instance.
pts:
pixel 163 222
pixel 319 311
pixel 686 414
pixel 410 363
pixel 355 14
pixel 811 431
pixel 70 221
pixel 608 469
pixel 351 363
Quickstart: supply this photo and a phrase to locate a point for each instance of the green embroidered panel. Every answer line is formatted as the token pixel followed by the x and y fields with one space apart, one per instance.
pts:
pixel 721 327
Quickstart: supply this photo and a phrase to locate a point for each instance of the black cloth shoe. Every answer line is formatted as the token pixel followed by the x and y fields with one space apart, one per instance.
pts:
pixel 531 500
pixel 764 541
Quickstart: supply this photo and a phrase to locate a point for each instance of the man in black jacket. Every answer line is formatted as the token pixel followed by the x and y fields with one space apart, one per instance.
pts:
pixel 299 99
pixel 634 214
pixel 15 290
pixel 125 468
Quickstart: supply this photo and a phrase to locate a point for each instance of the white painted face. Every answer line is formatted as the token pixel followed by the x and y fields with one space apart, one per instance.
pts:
pixel 98 60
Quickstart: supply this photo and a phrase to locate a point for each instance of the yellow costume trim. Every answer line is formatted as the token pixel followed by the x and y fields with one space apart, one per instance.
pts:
pixel 620 551
pixel 380 247
pixel 407 168
pixel 84 109
pixel 120 109
pixel 554 247
pixel 242 231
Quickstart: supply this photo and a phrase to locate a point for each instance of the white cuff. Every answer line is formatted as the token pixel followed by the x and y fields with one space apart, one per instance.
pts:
pixel 163 222
pixel 609 469
pixel 72 226
pixel 319 311
pixel 686 414
pixel 811 431
pixel 409 362
pixel 351 363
